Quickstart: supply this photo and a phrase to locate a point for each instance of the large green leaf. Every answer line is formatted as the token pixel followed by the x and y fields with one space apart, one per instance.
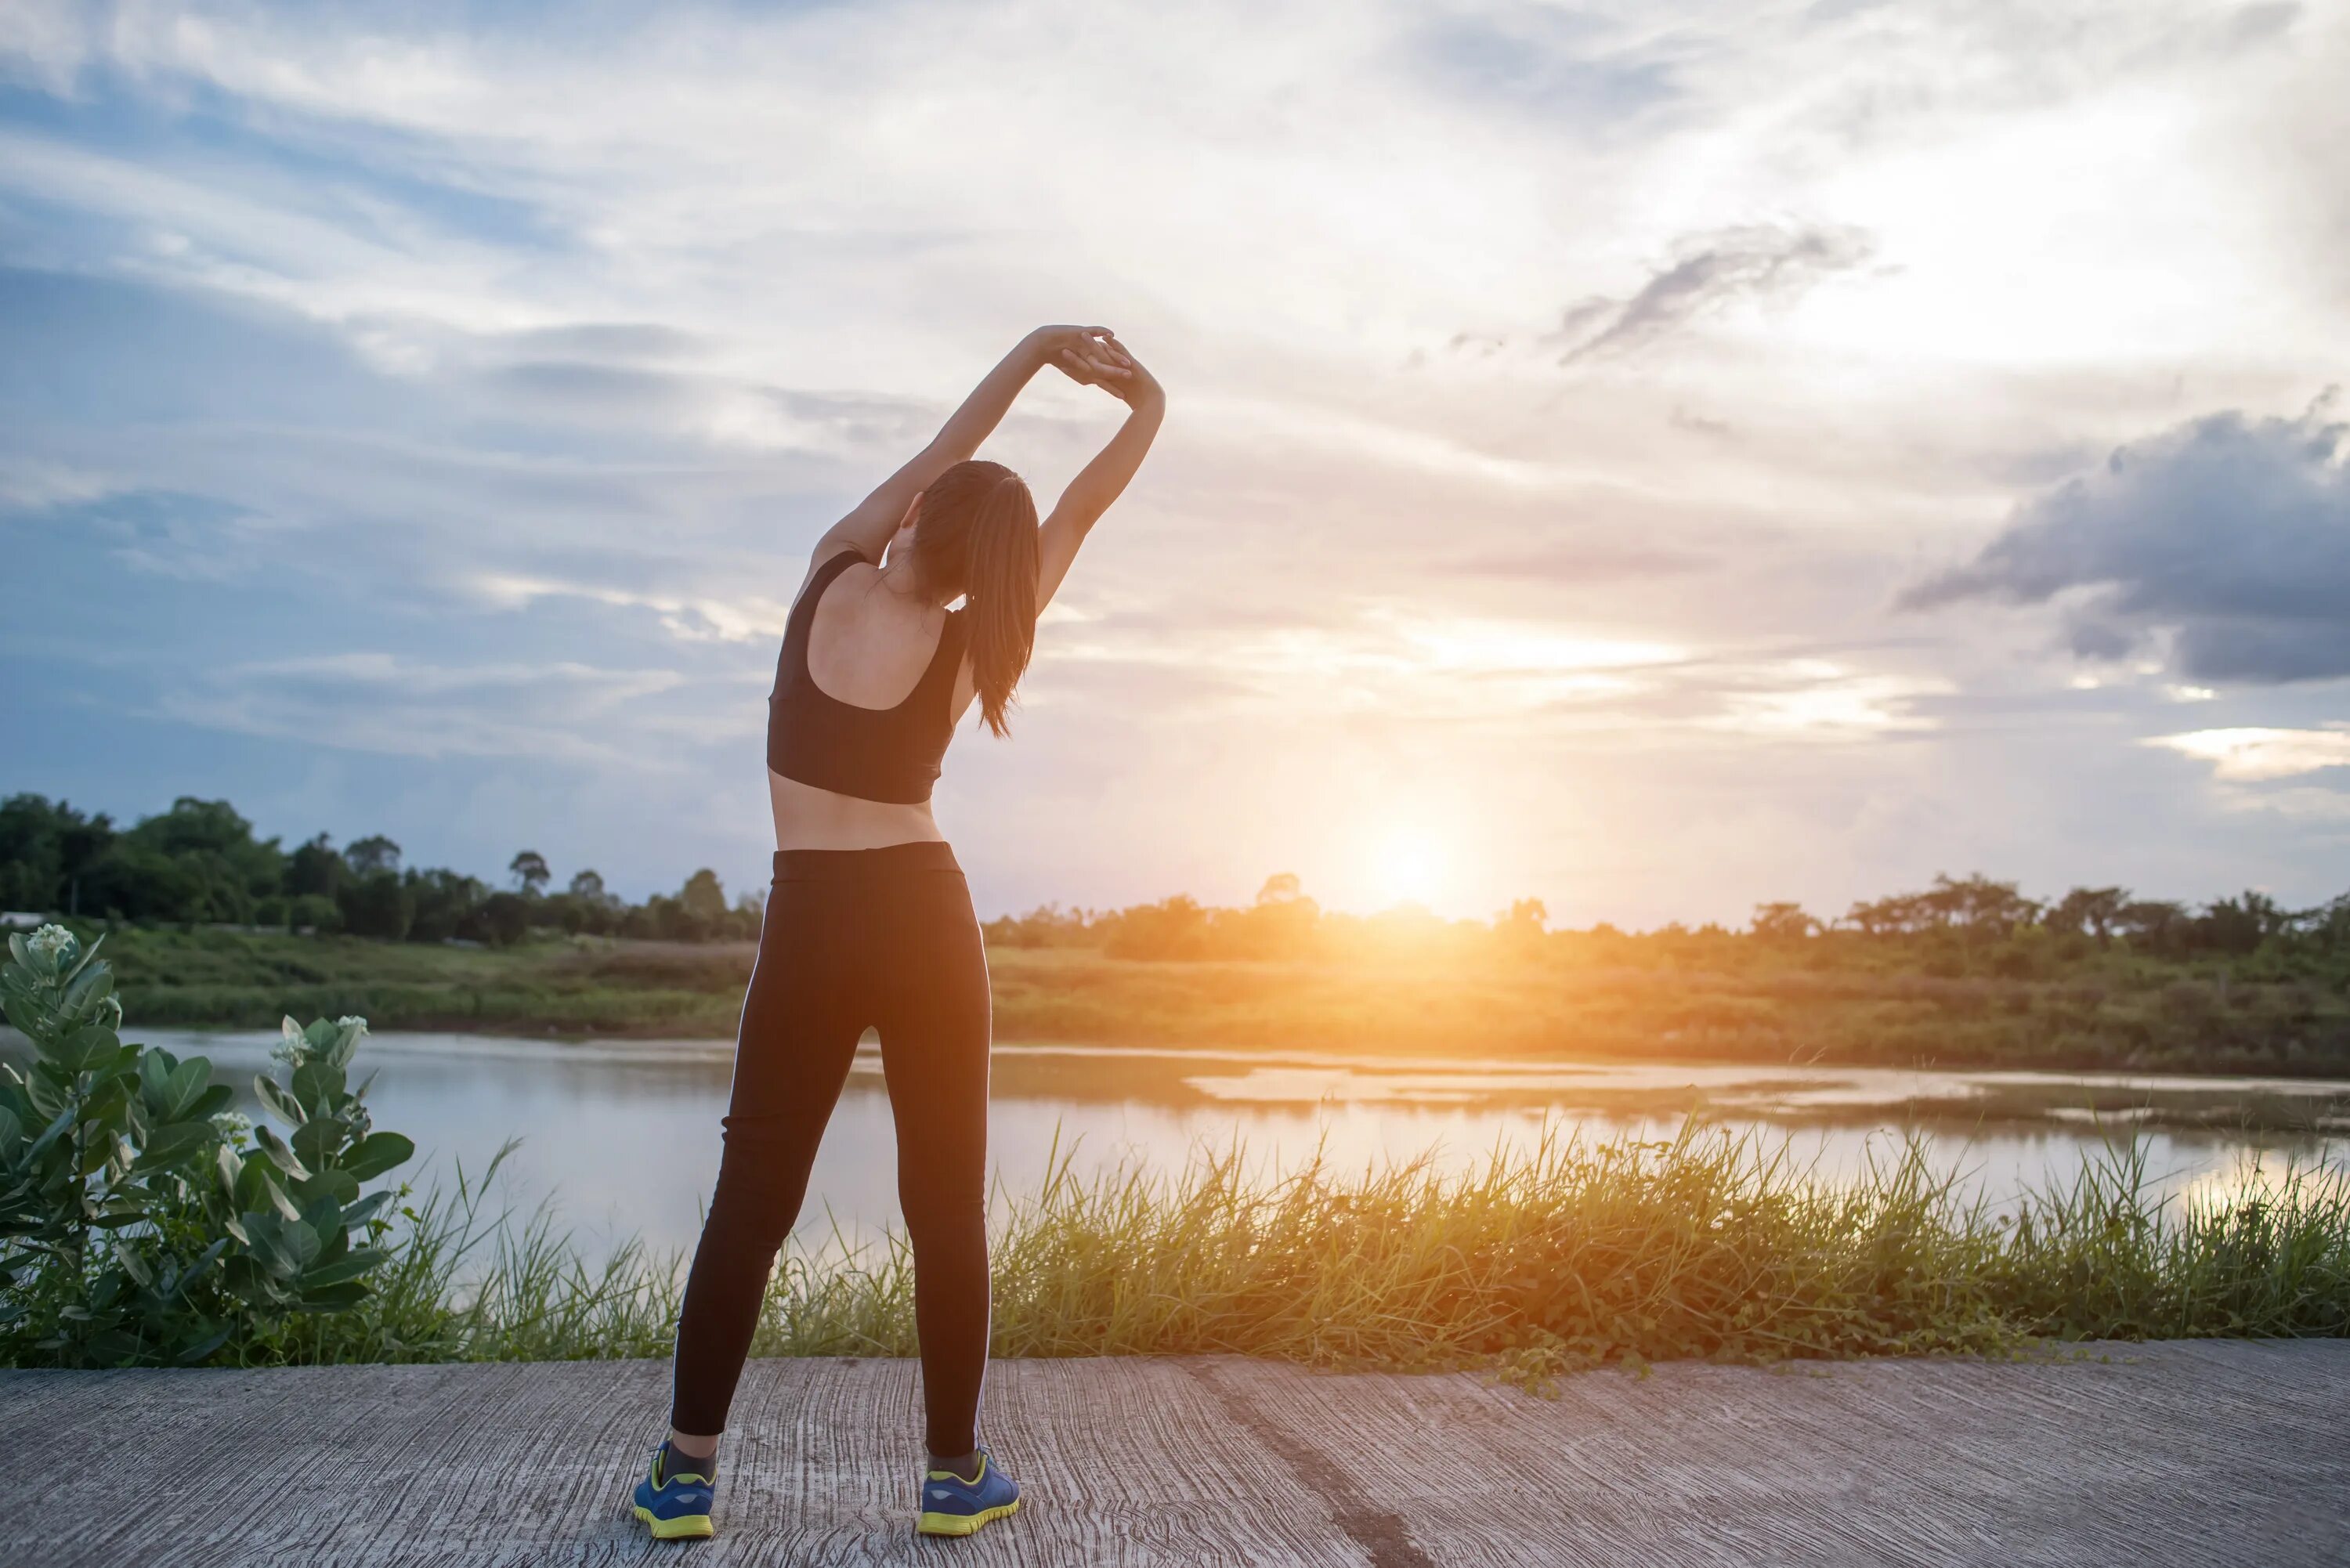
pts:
pixel 189 1081
pixel 380 1153
pixel 72 1050
pixel 346 1044
pixel 282 1246
pixel 50 1135
pixel 155 1080
pixel 89 956
pixel 33 1020
pixel 91 985
pixel 339 1185
pixel 176 1142
pixel 335 1298
pixel 349 1266
pixel 43 1090
pixel 283 1158
pixel 276 1101
pixel 357 1214
pixel 321 1140
pixel 318 1086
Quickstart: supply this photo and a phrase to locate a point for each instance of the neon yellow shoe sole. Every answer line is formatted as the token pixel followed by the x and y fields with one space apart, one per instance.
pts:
pixel 963 1523
pixel 686 1527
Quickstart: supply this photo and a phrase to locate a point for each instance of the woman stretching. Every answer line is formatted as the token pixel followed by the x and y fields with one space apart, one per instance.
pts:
pixel 870 924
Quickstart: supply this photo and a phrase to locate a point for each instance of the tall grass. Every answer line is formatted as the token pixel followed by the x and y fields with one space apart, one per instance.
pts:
pixel 1570 1254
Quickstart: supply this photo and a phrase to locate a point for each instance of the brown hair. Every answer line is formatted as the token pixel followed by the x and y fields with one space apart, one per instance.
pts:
pixel 976 535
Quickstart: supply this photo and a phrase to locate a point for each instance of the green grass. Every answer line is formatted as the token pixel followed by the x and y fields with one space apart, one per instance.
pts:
pixel 1729 1000
pixel 1572 1255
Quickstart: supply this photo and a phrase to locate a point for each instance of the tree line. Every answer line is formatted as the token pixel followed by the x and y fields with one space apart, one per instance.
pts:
pixel 198 863
pixel 1959 924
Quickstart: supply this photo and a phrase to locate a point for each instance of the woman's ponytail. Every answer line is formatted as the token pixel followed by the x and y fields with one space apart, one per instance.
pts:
pixel 979 516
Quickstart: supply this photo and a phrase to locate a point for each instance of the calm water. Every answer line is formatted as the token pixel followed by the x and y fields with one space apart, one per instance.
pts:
pixel 623 1137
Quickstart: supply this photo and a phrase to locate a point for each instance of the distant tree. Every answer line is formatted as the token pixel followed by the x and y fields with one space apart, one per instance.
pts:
pixel 198 861
pixel 46 851
pixel 82 844
pixel 314 869
pixel 310 912
pixel 446 904
pixel 2239 925
pixel 505 918
pixel 530 873
pixel 1980 903
pixel 1280 888
pixel 2158 925
pixel 1526 914
pixel 1782 922
pixel 1174 927
pixel 588 887
pixel 748 915
pixel 2094 909
pixel 704 899
pixel 372 854
pixel 378 904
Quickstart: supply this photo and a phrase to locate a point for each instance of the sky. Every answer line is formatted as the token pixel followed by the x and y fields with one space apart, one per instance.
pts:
pixel 1651 458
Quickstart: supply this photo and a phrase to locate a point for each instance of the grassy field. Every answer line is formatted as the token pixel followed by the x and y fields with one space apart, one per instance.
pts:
pixel 1569 1256
pixel 1738 1002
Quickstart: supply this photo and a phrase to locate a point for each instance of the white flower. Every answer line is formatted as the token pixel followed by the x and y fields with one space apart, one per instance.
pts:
pixel 354 1022
pixel 234 1125
pixel 51 941
pixel 291 1043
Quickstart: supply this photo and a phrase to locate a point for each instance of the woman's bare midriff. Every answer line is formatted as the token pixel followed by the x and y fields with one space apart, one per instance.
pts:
pixel 808 817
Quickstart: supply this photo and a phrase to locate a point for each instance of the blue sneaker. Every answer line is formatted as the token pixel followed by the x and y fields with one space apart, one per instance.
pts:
pixel 677 1507
pixel 953 1506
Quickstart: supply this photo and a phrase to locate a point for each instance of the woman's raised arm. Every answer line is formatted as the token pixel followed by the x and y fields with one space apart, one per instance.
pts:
pixel 1085 353
pixel 1102 481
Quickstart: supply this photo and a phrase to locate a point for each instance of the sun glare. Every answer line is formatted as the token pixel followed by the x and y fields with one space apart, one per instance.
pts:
pixel 1409 867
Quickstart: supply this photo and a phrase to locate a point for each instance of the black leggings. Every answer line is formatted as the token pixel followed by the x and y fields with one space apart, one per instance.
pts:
pixel 855 938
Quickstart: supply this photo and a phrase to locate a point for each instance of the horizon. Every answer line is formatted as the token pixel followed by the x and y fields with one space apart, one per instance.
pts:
pixel 1657 462
pixel 559 878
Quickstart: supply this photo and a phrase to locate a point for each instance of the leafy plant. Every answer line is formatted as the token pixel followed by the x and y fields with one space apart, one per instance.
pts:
pixel 138 1222
pixel 293 1204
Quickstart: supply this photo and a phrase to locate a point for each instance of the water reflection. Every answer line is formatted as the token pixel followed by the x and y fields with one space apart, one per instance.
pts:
pixel 623 1135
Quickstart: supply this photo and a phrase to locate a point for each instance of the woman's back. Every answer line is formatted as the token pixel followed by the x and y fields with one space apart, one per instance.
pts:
pixel 869 646
pixel 868 685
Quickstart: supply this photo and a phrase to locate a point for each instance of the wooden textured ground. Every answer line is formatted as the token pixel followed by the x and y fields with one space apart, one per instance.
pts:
pixel 2187 1453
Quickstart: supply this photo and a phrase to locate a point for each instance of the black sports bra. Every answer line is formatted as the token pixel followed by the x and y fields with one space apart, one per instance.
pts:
pixel 874 754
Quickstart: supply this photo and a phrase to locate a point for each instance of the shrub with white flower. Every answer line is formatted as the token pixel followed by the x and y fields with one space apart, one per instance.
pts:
pixel 54 945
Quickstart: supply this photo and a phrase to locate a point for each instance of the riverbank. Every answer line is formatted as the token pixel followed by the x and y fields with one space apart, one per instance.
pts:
pixel 2103 1010
pixel 2209 1453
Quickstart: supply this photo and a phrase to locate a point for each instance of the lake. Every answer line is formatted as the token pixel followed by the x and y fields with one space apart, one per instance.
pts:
pixel 622 1136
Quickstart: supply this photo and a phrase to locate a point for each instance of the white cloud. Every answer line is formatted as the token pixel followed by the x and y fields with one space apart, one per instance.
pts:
pixel 2252 754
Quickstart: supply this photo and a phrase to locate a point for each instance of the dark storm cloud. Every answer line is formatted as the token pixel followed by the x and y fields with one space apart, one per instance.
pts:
pixel 1755 261
pixel 2230 534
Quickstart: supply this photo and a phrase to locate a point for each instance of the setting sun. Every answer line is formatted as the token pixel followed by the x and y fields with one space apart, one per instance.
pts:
pixel 1407 867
